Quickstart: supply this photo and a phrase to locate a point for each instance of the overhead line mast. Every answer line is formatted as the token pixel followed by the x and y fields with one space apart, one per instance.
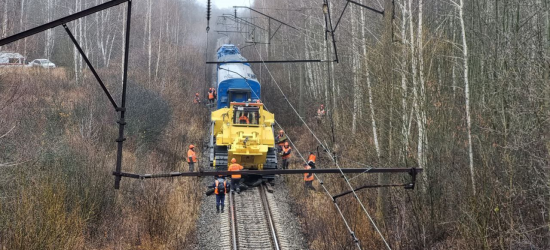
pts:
pixel 118 108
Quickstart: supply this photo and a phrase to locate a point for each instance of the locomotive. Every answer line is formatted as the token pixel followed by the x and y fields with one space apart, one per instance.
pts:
pixel 241 127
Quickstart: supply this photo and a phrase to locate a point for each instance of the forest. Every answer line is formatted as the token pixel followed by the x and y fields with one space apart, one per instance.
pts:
pixel 459 88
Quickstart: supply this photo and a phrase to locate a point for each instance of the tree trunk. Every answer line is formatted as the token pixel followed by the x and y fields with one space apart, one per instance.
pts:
pixel 5 19
pixel 367 79
pixel 421 112
pixel 413 65
pixel 467 92
pixel 354 65
pixel 404 90
pixel 149 48
pixel 159 40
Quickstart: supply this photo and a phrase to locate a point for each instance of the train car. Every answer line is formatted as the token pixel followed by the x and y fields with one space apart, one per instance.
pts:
pixel 241 128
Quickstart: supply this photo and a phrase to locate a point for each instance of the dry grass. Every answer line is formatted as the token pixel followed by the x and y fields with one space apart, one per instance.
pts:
pixel 61 195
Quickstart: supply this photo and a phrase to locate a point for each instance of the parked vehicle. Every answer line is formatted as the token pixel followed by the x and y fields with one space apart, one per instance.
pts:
pixel 11 59
pixel 44 63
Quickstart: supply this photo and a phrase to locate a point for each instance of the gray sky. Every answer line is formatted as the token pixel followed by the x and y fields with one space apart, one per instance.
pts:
pixel 221 4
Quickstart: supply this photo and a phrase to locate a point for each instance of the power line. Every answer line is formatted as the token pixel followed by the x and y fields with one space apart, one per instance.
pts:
pixel 301 156
pixel 328 152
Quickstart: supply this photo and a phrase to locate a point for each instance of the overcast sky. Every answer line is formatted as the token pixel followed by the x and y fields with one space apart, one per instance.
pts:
pixel 221 4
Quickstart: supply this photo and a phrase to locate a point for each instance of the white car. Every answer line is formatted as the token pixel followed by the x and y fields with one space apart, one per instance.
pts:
pixel 44 63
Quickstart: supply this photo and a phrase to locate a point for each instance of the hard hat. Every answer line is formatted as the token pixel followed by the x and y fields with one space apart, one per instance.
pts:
pixel 281 131
pixel 233 160
pixel 258 101
pixel 197 94
pixel 191 146
pixel 322 105
pixel 286 143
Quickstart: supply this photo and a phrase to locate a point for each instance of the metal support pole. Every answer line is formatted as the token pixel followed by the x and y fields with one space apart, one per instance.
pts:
pixel 332 33
pixel 278 171
pixel 265 15
pixel 282 61
pixel 341 14
pixel 122 109
pixel 90 66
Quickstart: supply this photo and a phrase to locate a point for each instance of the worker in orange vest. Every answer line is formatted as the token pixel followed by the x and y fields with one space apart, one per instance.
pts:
pixel 308 178
pixel 321 112
pixel 280 139
pixel 220 189
pixel 243 119
pixel 197 99
pixel 191 158
pixel 211 96
pixel 285 155
pixel 235 178
pixel 311 160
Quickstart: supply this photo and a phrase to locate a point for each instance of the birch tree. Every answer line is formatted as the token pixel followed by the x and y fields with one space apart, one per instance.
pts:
pixel 49 34
pixel 366 74
pixel 421 111
pixel 354 78
pixel 460 6
pixel 404 89
pixel 5 19
pixel 149 43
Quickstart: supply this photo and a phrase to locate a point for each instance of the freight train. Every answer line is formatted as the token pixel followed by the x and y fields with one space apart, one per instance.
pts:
pixel 241 127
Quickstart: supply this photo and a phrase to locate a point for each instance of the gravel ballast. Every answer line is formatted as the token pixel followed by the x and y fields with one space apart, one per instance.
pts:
pixel 211 224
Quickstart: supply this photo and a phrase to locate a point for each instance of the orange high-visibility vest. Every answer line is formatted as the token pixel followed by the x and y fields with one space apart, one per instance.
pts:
pixel 311 158
pixel 210 95
pixel 224 187
pixel 191 154
pixel 244 118
pixel 286 151
pixel 306 174
pixel 235 167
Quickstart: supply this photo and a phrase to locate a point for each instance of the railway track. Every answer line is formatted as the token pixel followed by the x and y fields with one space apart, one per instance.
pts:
pixel 252 222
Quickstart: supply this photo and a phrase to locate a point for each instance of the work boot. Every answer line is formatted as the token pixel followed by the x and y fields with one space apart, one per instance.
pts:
pixel 222 209
pixel 238 191
pixel 217 209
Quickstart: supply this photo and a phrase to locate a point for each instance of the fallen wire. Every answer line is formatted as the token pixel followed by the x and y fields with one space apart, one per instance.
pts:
pixel 327 150
pixel 316 176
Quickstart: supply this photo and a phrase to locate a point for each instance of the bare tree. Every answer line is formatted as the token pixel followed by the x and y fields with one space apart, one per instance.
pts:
pixel 460 7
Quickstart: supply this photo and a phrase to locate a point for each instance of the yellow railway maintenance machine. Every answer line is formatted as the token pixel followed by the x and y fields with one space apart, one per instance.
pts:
pixel 243 131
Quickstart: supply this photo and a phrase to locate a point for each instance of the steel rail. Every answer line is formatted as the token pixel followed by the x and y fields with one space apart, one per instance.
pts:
pixel 269 216
pixel 233 219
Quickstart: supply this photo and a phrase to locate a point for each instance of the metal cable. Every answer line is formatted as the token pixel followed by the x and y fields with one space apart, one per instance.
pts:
pixel 327 150
pixel 303 159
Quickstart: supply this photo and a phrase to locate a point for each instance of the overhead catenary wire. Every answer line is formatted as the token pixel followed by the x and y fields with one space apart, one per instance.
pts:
pixel 351 232
pixel 328 152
